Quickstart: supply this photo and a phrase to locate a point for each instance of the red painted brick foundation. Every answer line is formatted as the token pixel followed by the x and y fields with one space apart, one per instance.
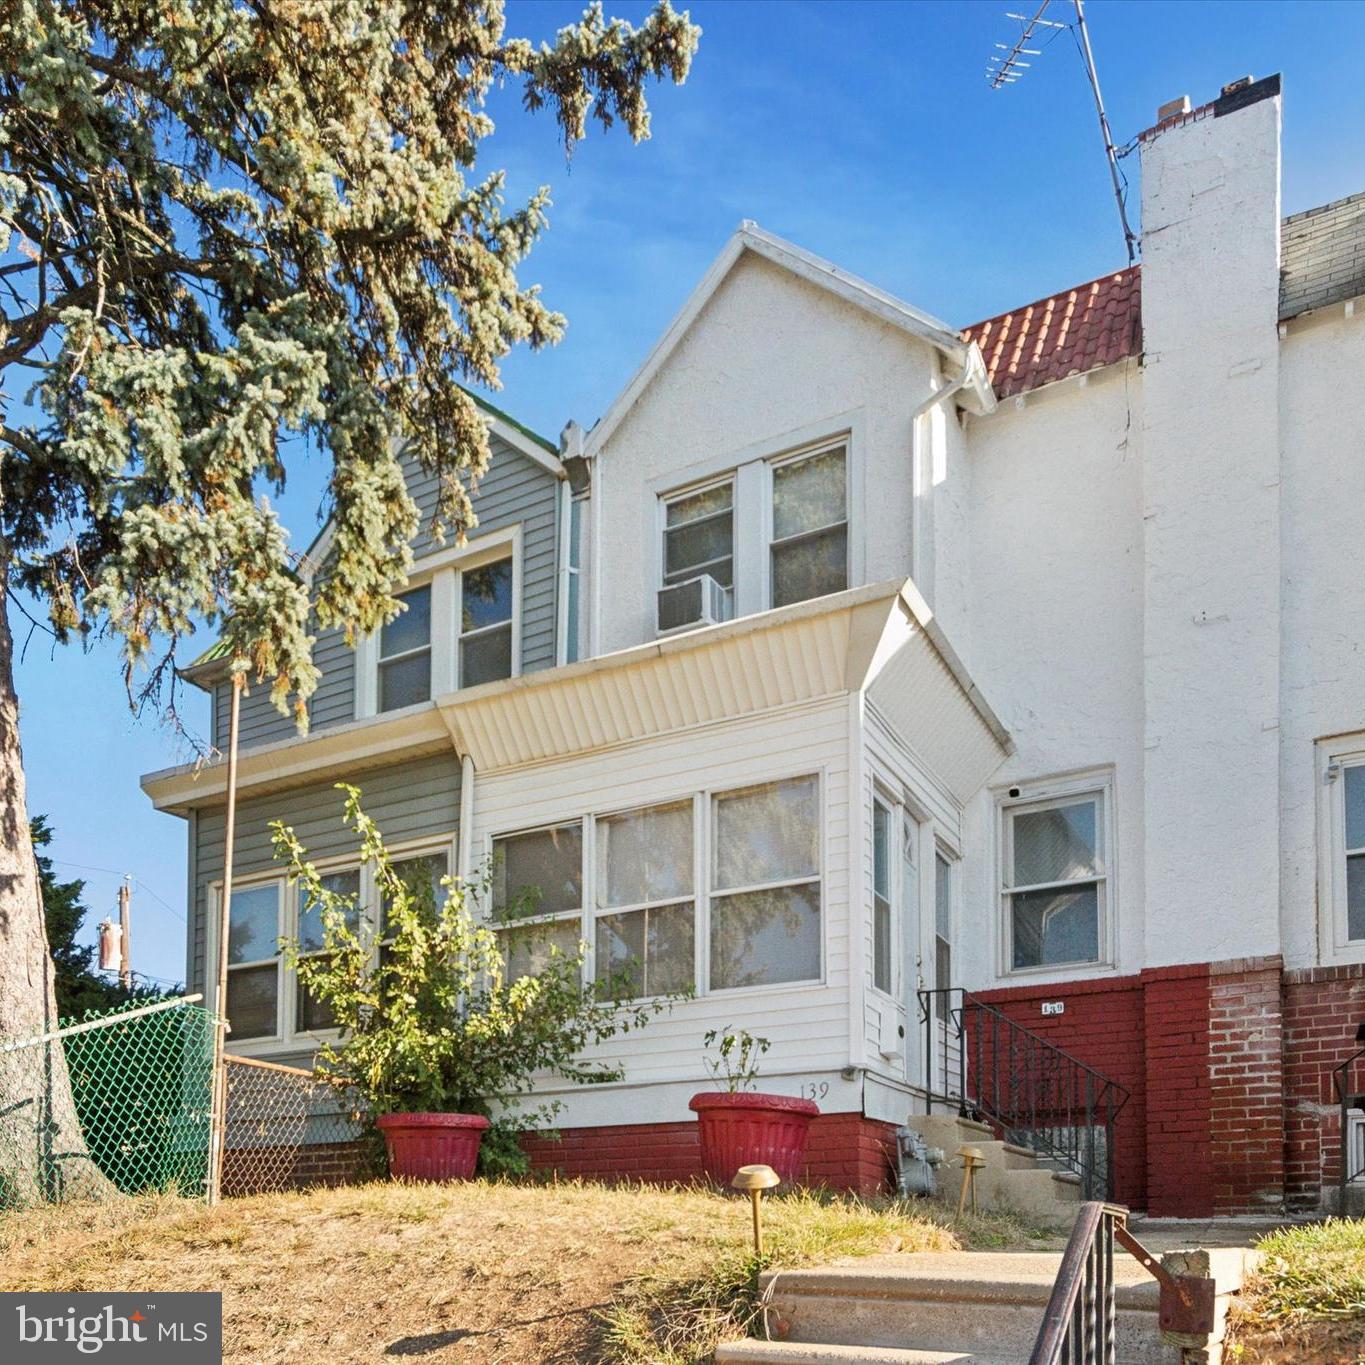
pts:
pixel 260 1170
pixel 845 1152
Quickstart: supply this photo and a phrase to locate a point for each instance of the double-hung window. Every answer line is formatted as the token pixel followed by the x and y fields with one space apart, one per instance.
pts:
pixel 1353 813
pixel 1342 854
pixel 943 929
pixel 809 551
pixel 537 895
pixel 646 913
pixel 486 622
pixel 883 844
pixel 1055 892
pixel 765 892
pixel 405 652
pixel 699 535
pixel 312 1014
pixel 253 971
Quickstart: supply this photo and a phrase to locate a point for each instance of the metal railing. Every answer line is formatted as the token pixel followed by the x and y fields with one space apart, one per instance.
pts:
pixel 1349 1172
pixel 990 1067
pixel 1080 1324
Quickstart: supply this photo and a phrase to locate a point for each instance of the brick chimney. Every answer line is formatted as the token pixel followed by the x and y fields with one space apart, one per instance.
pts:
pixel 1210 421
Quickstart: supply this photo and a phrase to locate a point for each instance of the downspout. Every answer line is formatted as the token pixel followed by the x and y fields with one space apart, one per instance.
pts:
pixel 464 853
pixel 917 473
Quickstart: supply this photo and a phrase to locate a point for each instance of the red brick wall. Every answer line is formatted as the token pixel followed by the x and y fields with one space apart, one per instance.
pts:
pixel 1322 1007
pixel 1246 1078
pixel 1175 1020
pixel 258 1170
pixel 845 1152
pixel 1101 1026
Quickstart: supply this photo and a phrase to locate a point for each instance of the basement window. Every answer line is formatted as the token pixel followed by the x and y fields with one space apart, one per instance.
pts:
pixel 1055 891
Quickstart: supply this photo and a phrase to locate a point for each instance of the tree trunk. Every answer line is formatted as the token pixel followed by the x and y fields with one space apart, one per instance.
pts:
pixel 43 1154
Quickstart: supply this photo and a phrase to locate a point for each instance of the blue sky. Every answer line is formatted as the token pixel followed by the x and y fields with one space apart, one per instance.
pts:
pixel 865 132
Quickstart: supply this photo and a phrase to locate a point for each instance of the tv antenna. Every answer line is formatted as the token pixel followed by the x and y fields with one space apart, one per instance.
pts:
pixel 1009 69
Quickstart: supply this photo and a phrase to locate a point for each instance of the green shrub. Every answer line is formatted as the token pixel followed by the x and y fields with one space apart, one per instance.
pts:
pixel 428 1020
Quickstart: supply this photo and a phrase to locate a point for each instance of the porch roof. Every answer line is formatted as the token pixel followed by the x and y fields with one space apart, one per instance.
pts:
pixel 881 639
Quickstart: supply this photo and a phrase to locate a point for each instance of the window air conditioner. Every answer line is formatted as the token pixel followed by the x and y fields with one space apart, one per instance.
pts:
pixel 695 602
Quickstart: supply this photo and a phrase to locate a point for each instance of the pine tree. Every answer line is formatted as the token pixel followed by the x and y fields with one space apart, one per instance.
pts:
pixel 229 227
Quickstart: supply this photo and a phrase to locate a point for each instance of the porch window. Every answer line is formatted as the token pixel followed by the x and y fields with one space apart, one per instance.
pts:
pixel 765 902
pixel 882 839
pixel 486 623
pixel 538 890
pixel 809 553
pixel 313 1014
pixel 699 535
pixel 1055 879
pixel 405 653
pixel 253 972
pixel 644 885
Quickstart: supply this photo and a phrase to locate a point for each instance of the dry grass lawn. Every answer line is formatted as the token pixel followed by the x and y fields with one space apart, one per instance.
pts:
pixel 1306 1304
pixel 461 1273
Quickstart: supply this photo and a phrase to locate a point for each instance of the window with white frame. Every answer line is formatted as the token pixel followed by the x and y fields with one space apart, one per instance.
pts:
pixel 809 550
pixel 765 889
pixel 754 920
pixel 645 933
pixel 883 844
pixel 405 652
pixel 1055 890
pixel 486 622
pixel 1353 822
pixel 312 1015
pixel 943 925
pixel 537 895
pixel 1342 837
pixel 699 535
pixel 253 962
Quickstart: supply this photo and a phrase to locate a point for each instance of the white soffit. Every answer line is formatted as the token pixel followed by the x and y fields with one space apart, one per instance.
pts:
pixel 881 637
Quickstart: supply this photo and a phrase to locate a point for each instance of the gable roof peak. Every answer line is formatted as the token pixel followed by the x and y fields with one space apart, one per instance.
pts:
pixel 959 351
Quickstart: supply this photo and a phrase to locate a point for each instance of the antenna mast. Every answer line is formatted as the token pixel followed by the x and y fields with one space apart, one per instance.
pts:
pixel 1001 71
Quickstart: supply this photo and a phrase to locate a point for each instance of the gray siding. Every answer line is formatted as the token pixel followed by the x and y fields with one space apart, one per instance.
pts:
pixel 413 800
pixel 515 489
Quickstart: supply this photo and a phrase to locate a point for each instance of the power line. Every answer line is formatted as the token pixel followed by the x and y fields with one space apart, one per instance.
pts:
pixel 114 872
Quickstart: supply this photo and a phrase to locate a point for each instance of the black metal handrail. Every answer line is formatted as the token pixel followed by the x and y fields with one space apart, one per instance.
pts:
pixel 1080 1322
pixel 1346 1101
pixel 1038 1095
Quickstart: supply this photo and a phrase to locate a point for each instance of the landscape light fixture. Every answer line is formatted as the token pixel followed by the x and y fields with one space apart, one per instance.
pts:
pixel 753 1180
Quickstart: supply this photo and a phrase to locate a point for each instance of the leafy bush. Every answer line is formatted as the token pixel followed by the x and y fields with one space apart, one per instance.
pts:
pixel 429 1022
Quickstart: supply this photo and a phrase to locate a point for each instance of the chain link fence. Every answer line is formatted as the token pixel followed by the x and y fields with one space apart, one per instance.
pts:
pixel 287 1128
pixel 123 1104
pixel 114 1104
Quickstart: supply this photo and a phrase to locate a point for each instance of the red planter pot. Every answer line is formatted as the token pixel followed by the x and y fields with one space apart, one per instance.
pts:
pixel 432 1146
pixel 743 1129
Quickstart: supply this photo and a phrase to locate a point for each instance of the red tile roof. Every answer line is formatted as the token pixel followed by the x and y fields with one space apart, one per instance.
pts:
pixel 1070 333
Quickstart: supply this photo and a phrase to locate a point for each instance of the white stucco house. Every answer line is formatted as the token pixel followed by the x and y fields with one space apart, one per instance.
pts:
pixel 853 657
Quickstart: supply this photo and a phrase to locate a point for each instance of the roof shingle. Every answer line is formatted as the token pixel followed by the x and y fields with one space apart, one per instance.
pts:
pixel 1322 256
pixel 1080 329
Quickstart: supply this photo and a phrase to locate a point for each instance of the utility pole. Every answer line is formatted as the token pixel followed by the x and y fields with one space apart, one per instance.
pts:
pixel 125 970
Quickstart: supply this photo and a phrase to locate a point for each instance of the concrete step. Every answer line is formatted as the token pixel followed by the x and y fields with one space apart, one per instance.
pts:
pixel 986 1305
pixel 810 1353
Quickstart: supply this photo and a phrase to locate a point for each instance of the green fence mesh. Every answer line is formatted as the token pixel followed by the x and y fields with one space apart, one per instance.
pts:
pixel 114 1104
